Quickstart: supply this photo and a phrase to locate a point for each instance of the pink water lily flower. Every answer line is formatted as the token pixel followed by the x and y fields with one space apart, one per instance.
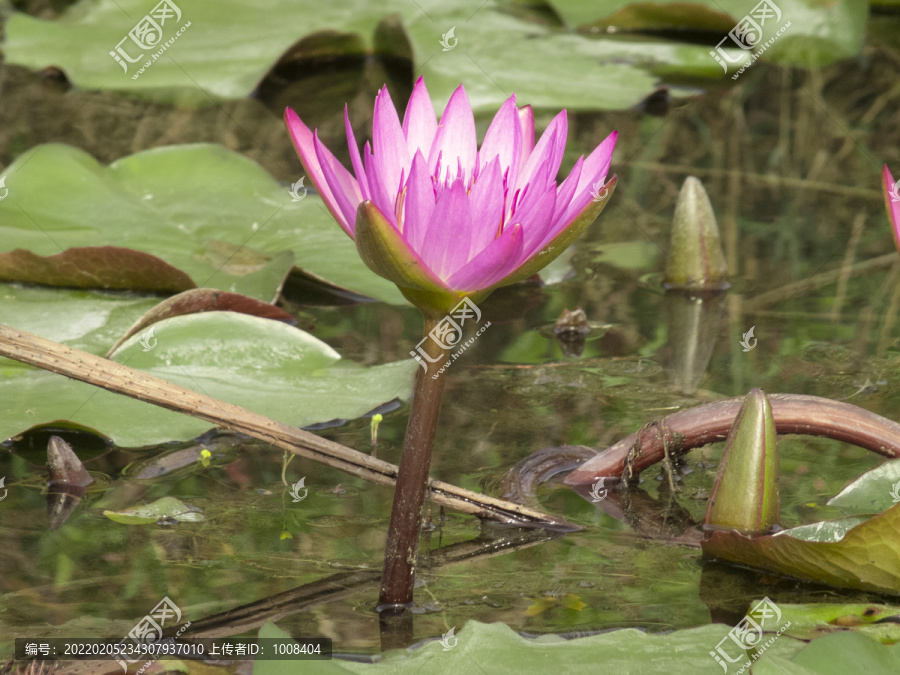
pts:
pixel 444 219
pixel 892 202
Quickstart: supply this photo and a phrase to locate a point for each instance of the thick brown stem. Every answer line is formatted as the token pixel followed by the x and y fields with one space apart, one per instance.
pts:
pixel 402 545
pixel 794 414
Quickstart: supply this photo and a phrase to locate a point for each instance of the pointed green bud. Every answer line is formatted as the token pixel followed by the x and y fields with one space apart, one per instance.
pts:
pixel 745 496
pixel 696 260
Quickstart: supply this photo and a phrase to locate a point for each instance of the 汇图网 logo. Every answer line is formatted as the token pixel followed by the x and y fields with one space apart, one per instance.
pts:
pixel 148 34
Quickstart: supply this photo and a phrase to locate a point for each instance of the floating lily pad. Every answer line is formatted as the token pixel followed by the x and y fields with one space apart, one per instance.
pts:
pixel 630 15
pixel 212 215
pixel 834 654
pixel 873 492
pixel 94 267
pixel 543 65
pixel 814 620
pixel 865 557
pixel 497 649
pixel 86 320
pixel 166 508
pixel 205 300
pixel 263 365
pixel 819 32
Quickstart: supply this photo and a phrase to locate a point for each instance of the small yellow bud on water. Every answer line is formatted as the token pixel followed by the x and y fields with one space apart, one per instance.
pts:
pixel 376 420
pixel 205 456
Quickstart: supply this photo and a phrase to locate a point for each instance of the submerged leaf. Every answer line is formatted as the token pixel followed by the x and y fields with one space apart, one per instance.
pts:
pixel 165 508
pixel 68 481
pixel 65 467
pixel 549 601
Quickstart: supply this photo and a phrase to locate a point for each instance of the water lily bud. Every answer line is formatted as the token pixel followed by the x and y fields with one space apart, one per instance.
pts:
pixel 696 260
pixel 745 496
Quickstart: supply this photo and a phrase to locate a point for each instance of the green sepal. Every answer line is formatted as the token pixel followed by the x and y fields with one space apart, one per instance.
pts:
pixel 385 252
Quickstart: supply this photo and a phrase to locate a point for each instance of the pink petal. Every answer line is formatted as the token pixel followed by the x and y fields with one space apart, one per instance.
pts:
pixel 572 213
pixel 420 121
pixel 343 186
pixel 537 220
pixel 531 193
pixel 455 140
pixel 355 159
pixel 526 124
pixel 892 202
pixel 388 144
pixel 549 151
pixel 593 177
pixel 492 264
pixel 486 200
pixel 379 195
pixel 596 166
pixel 504 140
pixel 566 190
pixel 419 203
pixel 446 246
pixel 304 143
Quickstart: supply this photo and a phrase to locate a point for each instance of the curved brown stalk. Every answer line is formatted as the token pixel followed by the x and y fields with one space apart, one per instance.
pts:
pixel 688 429
pixel 519 483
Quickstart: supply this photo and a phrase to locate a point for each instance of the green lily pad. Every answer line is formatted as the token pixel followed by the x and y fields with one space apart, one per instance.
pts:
pixel 204 300
pixel 86 320
pixel 834 654
pixel 630 15
pixel 167 507
pixel 866 557
pixel 263 365
pixel 212 214
pixel 819 32
pixel 203 64
pixel 495 648
pixel 545 68
pixel 95 267
pixel 815 620
pixel 873 492
pixel 826 530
